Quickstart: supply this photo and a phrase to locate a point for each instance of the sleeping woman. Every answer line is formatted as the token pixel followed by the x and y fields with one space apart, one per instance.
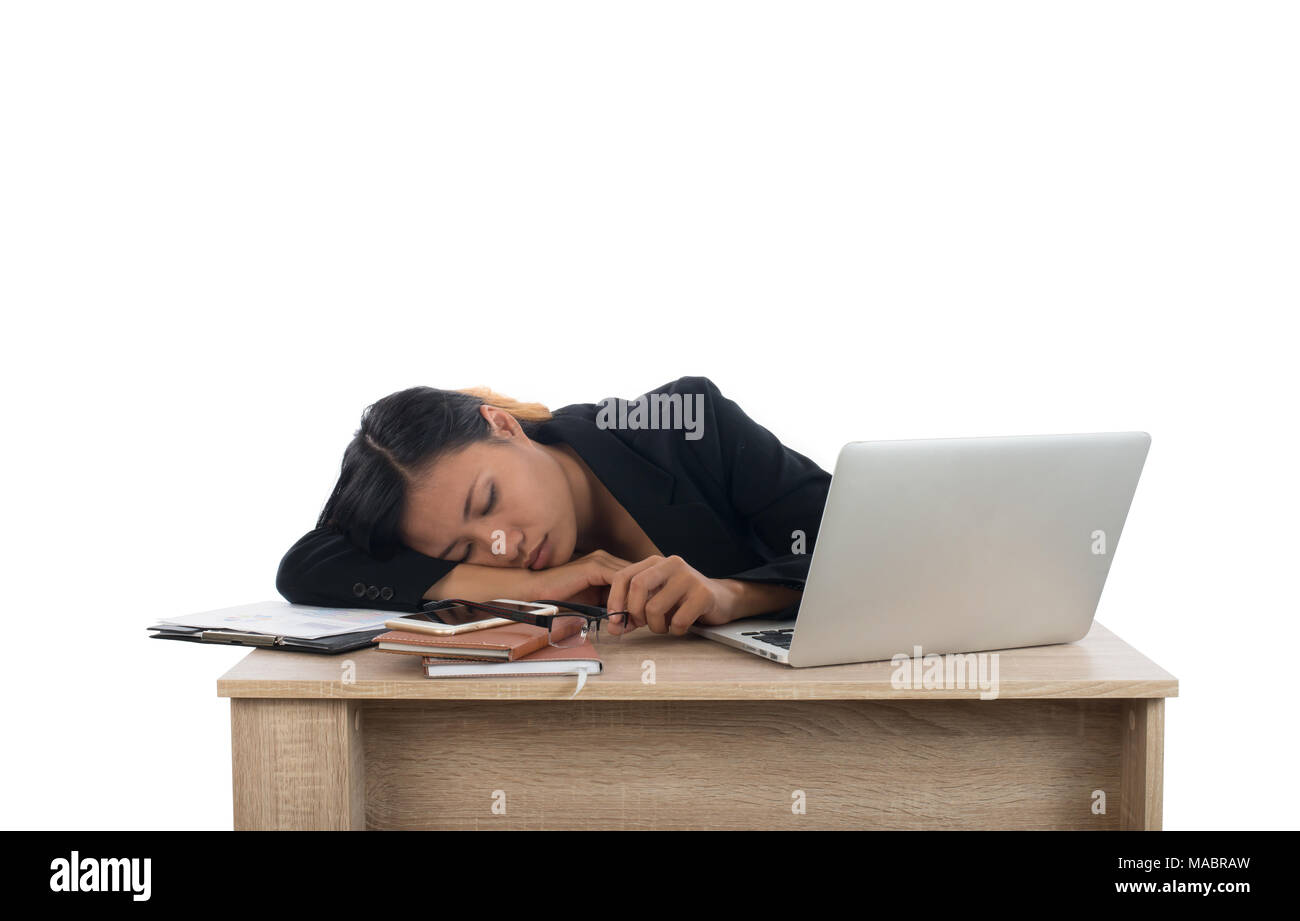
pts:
pixel 676 508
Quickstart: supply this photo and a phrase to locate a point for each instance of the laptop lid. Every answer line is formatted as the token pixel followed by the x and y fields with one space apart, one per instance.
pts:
pixel 965 544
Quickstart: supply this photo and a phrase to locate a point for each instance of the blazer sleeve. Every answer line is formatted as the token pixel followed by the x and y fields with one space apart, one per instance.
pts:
pixel 775 490
pixel 323 568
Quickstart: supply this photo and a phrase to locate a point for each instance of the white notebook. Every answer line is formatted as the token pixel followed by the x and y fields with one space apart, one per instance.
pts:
pixel 581 661
pixel 441 668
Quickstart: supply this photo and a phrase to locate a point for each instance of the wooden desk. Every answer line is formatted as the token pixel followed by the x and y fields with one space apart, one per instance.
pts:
pixel 721 740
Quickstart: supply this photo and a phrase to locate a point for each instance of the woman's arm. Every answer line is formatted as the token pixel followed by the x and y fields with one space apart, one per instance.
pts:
pixel 585 579
pixel 777 490
pixel 780 495
pixel 749 599
pixel 323 568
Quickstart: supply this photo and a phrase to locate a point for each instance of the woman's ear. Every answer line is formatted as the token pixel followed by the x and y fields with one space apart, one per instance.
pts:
pixel 501 422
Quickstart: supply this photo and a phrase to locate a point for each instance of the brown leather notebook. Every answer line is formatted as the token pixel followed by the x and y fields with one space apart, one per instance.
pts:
pixel 495 644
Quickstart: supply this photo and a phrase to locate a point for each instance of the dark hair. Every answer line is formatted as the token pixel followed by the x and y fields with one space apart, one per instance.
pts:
pixel 400 438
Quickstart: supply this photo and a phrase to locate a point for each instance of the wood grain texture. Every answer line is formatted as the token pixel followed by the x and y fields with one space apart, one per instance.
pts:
pixel 297 764
pixel 693 668
pixel 1143 765
pixel 1007 764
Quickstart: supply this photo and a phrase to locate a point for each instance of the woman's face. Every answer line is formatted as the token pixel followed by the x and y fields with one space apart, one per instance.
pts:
pixel 501 502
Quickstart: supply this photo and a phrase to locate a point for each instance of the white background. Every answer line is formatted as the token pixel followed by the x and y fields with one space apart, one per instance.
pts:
pixel 225 228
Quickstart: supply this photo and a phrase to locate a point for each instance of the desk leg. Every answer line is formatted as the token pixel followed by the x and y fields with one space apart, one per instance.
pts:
pixel 1142 772
pixel 297 764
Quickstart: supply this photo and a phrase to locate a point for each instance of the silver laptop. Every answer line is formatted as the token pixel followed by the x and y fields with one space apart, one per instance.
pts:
pixel 956 545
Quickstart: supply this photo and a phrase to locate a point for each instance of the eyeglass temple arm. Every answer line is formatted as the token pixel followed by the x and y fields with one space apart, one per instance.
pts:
pixel 591 610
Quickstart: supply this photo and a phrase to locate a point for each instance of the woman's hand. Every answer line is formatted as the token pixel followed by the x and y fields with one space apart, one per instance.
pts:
pixel 585 580
pixel 665 594
pixel 668 595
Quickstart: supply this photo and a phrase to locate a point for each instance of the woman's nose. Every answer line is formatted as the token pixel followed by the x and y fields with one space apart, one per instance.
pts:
pixel 506 543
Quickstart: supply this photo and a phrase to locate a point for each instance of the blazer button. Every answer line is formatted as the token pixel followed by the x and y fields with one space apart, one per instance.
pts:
pixel 372 593
pixel 386 593
pixel 359 589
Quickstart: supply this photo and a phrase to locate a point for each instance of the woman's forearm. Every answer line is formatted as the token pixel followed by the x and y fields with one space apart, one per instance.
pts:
pixel 585 579
pixel 748 599
pixel 471 582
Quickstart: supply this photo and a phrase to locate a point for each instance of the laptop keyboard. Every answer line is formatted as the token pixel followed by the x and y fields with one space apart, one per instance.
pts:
pixel 779 638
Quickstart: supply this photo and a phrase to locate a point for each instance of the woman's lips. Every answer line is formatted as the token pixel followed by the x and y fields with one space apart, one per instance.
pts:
pixel 537 560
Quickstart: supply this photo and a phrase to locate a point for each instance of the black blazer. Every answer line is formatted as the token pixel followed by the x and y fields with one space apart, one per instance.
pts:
pixel 727 503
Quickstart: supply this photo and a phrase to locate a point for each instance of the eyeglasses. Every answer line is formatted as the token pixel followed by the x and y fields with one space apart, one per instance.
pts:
pixel 573 626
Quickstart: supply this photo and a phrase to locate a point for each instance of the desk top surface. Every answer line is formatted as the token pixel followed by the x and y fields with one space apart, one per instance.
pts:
pixel 692 668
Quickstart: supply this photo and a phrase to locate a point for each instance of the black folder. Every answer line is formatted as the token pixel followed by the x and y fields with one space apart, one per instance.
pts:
pixel 325 645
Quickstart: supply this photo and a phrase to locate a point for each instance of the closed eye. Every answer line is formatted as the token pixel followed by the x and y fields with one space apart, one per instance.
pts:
pixel 487 510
